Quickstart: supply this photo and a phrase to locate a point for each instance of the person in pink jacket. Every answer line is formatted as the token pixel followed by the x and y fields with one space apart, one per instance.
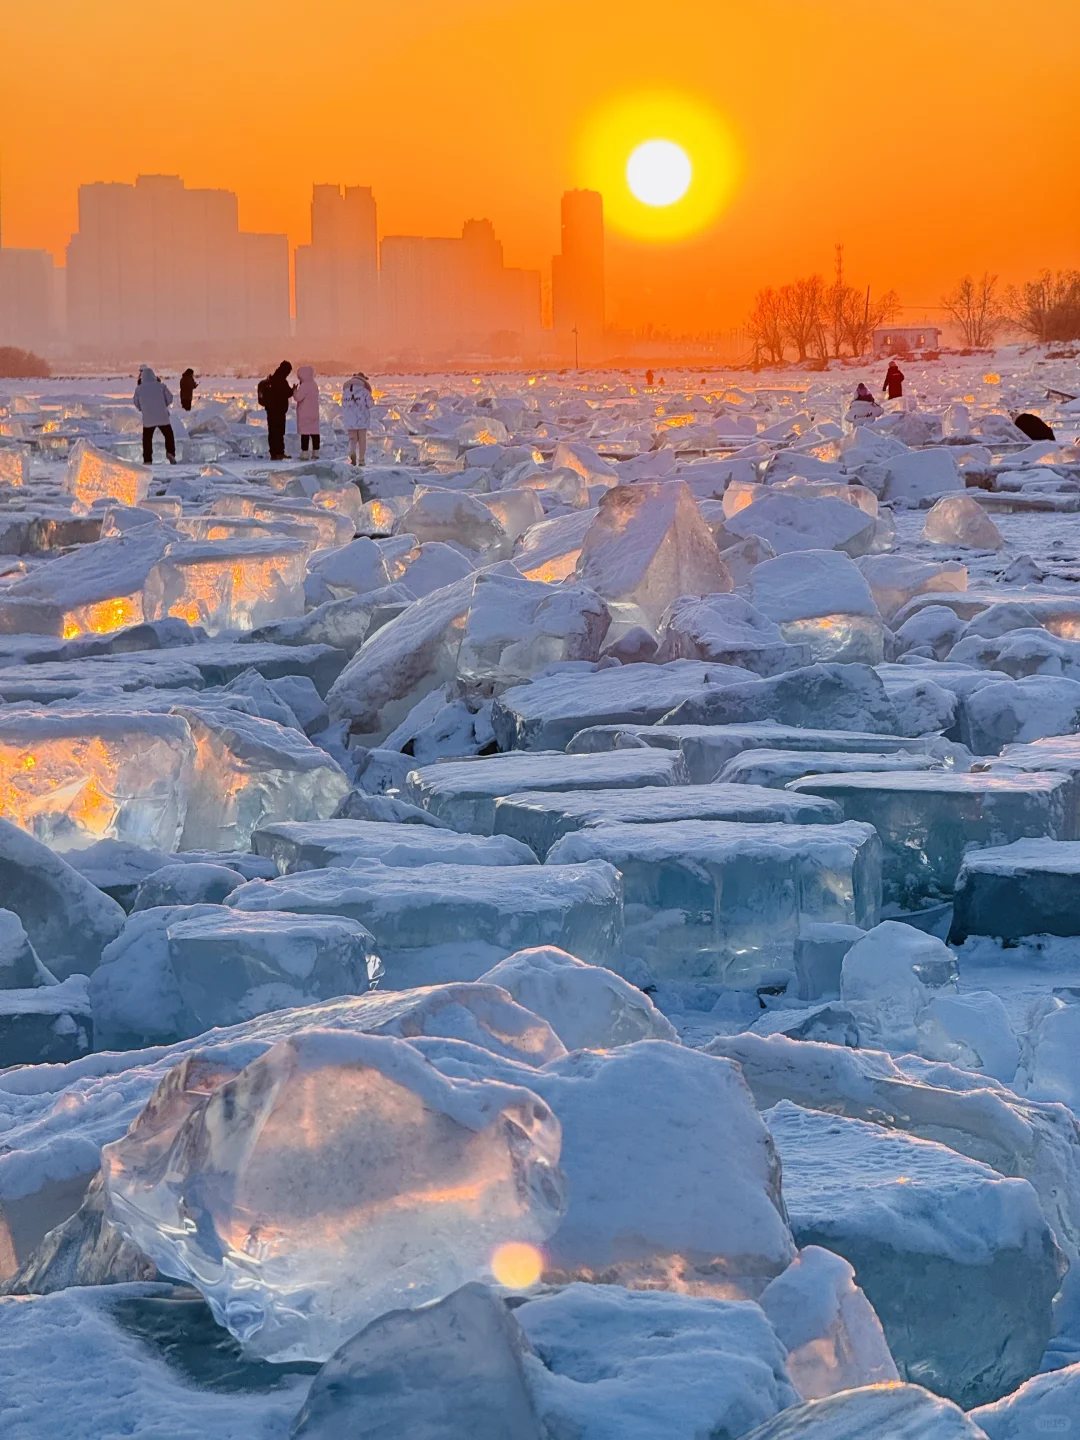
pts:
pixel 307 409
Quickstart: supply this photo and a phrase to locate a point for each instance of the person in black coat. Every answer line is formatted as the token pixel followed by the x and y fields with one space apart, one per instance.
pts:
pixel 275 392
pixel 894 381
pixel 1033 426
pixel 188 386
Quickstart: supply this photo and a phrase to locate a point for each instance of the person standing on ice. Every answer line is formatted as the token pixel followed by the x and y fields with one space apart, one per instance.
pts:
pixel 894 381
pixel 188 386
pixel 152 399
pixel 307 409
pixel 274 394
pixel 356 402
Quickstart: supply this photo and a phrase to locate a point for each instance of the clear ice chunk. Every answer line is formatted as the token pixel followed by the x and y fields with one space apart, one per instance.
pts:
pixel 249 772
pixel 726 630
pixel 708 900
pixel 436 923
pixel 960 520
pixel 820 598
pixel 295 845
pixel 333 1179
pixel 93 474
pixel 649 545
pixel 68 920
pixel 72 780
pixel 539 820
pixel 518 627
pixel 401 663
pixel 588 1007
pixel 547 714
pixel 464 793
pixel 926 821
pixel 451 1368
pixel 833 1338
pixel 902 1412
pixel 959 1264
pixel 228 586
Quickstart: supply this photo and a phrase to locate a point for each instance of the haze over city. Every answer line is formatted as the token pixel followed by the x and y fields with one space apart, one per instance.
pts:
pixel 809 124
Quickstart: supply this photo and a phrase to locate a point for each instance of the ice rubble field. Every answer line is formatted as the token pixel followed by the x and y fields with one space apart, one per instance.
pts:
pixel 571 933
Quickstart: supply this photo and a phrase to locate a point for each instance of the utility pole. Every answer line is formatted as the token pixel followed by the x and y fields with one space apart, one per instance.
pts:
pixel 574 332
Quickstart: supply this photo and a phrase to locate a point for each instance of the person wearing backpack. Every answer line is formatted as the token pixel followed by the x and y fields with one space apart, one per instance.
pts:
pixel 356 401
pixel 152 399
pixel 274 395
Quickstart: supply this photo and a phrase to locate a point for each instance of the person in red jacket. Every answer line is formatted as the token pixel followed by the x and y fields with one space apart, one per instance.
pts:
pixel 894 381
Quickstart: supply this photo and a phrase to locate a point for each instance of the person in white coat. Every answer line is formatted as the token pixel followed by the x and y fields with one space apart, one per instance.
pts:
pixel 307 409
pixel 356 403
pixel 152 399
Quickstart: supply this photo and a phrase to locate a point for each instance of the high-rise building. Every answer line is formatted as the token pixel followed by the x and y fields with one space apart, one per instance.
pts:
pixel 28 287
pixel 577 273
pixel 337 275
pixel 451 297
pixel 155 265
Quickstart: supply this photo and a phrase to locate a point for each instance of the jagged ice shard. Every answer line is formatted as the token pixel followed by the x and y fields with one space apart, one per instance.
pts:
pixel 335 1178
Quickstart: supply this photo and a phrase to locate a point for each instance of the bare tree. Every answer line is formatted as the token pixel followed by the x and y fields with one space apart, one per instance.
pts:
pixel 976 308
pixel 862 315
pixel 766 324
pixel 1047 308
pixel 802 305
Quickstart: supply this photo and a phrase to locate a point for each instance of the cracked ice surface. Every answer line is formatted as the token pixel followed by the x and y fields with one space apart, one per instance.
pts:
pixel 592 717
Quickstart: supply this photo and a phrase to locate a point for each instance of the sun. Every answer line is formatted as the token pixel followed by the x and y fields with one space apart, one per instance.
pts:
pixel 666 163
pixel 659 172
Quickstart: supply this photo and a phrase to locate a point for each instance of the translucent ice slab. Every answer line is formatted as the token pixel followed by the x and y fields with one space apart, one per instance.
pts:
pixel 541 819
pixel 1031 887
pixel 709 900
pixel 436 923
pixel 228 585
pixel 649 545
pixel 774 768
pixel 296 845
pixel 464 793
pixel 547 714
pixel 959 1264
pixel 249 772
pixel 230 966
pixel 927 821
pixel 71 780
pixel 94 474
pixel 335 1178
pixel 707 749
pixel 517 627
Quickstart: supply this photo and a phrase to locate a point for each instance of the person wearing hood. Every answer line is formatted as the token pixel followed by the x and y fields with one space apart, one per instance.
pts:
pixel 356 402
pixel 894 381
pixel 864 408
pixel 307 409
pixel 152 399
pixel 188 386
pixel 274 395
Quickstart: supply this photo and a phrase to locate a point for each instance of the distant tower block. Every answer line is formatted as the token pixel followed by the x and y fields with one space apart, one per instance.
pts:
pixel 577 274
pixel 337 275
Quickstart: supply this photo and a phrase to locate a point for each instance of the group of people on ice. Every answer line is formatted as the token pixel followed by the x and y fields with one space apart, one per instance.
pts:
pixel 153 399
pixel 864 407
pixel 276 391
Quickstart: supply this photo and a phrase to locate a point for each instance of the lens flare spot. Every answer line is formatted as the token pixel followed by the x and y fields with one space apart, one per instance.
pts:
pixel 517 1265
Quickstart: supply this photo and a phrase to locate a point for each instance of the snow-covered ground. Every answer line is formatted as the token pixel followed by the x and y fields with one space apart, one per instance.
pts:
pixel 571 929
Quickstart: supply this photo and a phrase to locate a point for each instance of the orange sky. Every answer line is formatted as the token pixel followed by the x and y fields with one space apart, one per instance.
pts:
pixel 932 136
